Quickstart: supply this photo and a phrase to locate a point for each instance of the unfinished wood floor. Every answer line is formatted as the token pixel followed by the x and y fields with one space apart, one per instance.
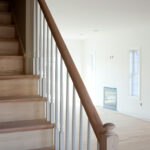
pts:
pixel 134 134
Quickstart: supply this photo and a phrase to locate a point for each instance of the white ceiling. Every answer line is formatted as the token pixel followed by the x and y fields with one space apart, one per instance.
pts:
pixel 79 19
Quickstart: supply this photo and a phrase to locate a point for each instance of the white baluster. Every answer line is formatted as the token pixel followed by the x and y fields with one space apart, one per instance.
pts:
pixel 74 120
pixel 43 64
pixel 48 74
pixel 44 58
pixel 37 39
pixel 52 83
pixel 41 54
pixel 89 136
pixel 56 102
pixel 67 114
pixel 61 107
pixel 34 41
pixel 81 128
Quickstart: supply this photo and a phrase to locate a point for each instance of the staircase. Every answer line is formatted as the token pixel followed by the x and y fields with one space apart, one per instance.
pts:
pixel 23 124
pixel 27 102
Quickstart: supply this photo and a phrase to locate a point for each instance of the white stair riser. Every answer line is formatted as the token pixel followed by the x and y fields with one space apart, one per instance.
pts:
pixel 19 87
pixel 9 47
pixel 17 111
pixel 10 66
pixel 7 32
pixel 26 140
pixel 5 18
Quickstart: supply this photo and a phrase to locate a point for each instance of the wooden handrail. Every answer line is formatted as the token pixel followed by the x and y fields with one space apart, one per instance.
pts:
pixel 86 101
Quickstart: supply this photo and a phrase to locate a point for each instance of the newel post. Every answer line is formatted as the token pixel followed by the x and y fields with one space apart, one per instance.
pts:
pixel 109 140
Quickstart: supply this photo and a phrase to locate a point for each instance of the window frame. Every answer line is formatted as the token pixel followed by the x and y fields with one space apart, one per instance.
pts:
pixel 138 97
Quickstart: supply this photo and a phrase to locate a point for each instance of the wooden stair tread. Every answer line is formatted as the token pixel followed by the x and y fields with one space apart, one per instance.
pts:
pixel 22 99
pixel 28 125
pixel 11 74
pixel 8 40
pixel 7 25
pixel 5 13
pixel 7 77
pixel 12 57
pixel 46 148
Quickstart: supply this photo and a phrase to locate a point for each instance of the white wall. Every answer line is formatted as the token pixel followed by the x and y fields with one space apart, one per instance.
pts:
pixel 81 58
pixel 115 72
pixel 76 50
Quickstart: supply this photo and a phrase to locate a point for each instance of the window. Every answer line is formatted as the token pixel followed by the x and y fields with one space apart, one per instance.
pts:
pixel 134 73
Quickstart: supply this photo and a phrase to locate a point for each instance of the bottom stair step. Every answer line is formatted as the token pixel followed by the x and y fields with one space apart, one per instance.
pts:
pixel 26 135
